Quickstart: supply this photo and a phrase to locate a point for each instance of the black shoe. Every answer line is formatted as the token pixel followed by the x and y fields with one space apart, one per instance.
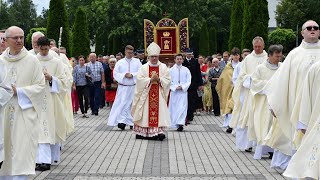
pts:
pixel 96 113
pixel 43 167
pixel 229 130
pixel 161 137
pixel 121 126
pixel 180 128
pixel 270 155
pixel 1 164
pixel 153 138
pixel 131 127
pixel 216 114
pixel 139 136
pixel 248 150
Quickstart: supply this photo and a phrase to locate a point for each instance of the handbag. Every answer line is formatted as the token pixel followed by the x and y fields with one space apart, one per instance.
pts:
pixel 114 86
pixel 88 79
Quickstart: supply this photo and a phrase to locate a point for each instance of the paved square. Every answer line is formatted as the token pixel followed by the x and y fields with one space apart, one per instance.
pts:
pixel 202 151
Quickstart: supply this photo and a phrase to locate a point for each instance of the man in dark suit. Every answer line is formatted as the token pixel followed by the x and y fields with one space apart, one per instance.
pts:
pixel 196 82
pixel 141 56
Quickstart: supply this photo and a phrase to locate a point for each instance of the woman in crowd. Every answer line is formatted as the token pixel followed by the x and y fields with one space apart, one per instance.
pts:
pixel 81 80
pixel 111 83
pixel 207 94
pixel 74 95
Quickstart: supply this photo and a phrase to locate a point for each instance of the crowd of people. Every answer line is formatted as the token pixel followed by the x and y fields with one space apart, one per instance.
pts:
pixel 270 107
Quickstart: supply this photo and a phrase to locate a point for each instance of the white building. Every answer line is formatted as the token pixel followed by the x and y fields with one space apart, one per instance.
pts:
pixel 272 7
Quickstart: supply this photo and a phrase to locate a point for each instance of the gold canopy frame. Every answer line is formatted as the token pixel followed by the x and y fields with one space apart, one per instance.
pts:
pixel 181 35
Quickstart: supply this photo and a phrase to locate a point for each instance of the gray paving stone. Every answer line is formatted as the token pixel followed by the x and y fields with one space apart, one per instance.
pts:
pixel 203 151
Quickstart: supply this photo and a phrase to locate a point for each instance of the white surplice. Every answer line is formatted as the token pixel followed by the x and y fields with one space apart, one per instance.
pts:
pixel 67 99
pixel 5 95
pixel 284 88
pixel 52 117
pixel 178 102
pixel 262 115
pixel 21 123
pixel 242 115
pixel 306 161
pixel 121 108
pixel 310 100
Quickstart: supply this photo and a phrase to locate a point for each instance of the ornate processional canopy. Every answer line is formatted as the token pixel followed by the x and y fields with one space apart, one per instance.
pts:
pixel 172 38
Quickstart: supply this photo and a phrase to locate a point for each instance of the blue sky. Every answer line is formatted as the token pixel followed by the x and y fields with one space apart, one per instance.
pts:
pixel 41 4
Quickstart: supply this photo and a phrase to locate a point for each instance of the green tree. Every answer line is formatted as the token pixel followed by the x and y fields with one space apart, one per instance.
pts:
pixel 116 45
pixel 256 18
pixel 125 18
pixel 285 37
pixel 80 34
pixel 204 40
pixel 236 25
pixel 22 13
pixel 58 18
pixel 291 13
pixel 42 18
pixel 212 41
pixel 99 44
pixel 110 45
pixel 5 16
pixel 29 35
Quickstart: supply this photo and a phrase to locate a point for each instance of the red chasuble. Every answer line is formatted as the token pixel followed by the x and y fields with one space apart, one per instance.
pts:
pixel 154 99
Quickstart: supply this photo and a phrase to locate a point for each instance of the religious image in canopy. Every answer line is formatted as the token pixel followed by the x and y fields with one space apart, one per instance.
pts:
pixel 171 37
pixel 166 39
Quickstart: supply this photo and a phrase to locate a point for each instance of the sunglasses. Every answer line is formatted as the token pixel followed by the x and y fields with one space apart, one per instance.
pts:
pixel 309 28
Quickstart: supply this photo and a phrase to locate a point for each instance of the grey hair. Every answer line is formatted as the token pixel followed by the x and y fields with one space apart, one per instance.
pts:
pixel 257 38
pixel 275 49
pixel 54 41
pixel 113 59
pixel 35 34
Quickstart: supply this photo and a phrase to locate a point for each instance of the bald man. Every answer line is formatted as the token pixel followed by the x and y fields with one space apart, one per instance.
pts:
pixel 20 117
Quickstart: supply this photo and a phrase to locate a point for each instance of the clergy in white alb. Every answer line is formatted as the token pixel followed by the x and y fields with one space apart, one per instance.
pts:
pixel 67 95
pixel 5 95
pixel 305 162
pixel 52 120
pixel 224 88
pixel 149 109
pixel 310 99
pixel 178 101
pixel 125 73
pixel 262 115
pixel 284 88
pixel 68 100
pixel 20 117
pixel 242 115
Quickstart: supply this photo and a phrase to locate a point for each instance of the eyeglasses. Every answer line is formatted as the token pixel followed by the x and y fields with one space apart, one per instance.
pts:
pixel 309 28
pixel 17 37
